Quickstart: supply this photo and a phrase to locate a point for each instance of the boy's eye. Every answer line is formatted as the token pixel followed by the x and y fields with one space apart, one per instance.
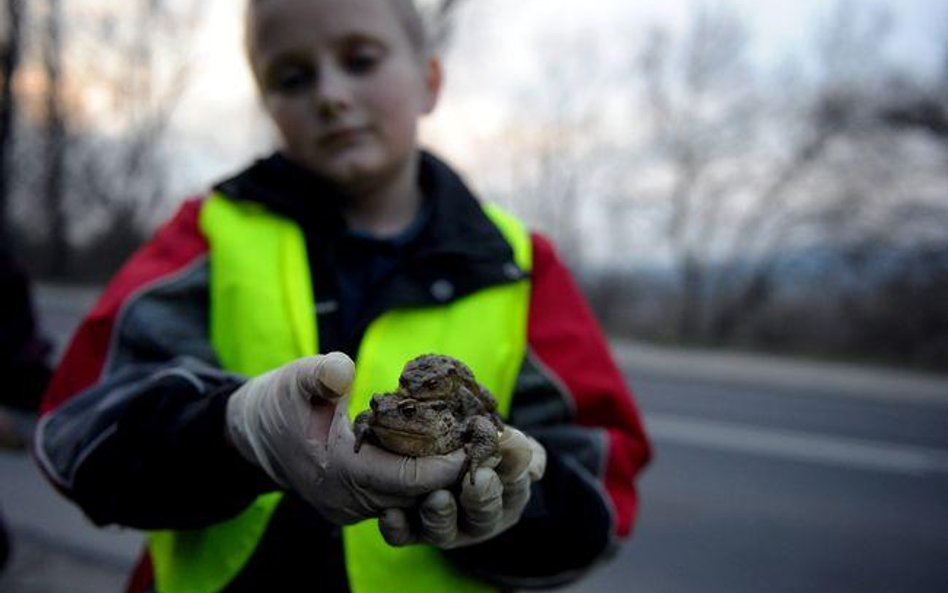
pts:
pixel 290 79
pixel 363 59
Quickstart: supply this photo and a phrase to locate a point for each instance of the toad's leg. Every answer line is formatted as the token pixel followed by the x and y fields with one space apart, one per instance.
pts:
pixel 482 443
pixel 361 429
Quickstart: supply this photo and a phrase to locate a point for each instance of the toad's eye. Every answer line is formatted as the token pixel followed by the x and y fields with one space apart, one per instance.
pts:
pixel 407 409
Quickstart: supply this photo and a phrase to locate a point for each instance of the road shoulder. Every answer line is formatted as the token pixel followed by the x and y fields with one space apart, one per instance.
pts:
pixel 788 375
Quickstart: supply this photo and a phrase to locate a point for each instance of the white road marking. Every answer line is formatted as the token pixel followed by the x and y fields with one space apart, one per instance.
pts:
pixel 798 446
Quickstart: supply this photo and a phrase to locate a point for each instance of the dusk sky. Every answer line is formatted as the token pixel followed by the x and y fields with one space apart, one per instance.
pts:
pixel 496 49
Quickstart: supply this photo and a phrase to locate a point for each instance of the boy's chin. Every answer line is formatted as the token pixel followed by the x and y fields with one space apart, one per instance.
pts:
pixel 357 173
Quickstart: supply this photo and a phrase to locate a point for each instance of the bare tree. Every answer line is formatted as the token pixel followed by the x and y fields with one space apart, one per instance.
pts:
pixel 55 141
pixel 144 80
pixel 10 52
pixel 556 148
pixel 699 102
pixel 113 76
pixel 924 107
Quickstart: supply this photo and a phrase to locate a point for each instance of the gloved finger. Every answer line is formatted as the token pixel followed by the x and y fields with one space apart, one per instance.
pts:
pixel 396 528
pixel 538 461
pixel 383 471
pixel 439 518
pixel 481 503
pixel 326 377
pixel 516 454
pixel 517 495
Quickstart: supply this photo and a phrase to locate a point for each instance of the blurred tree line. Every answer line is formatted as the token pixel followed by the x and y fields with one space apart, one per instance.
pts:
pixel 702 200
pixel 707 201
pixel 88 90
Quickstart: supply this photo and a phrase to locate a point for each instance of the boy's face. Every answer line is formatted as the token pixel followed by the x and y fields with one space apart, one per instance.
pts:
pixel 344 85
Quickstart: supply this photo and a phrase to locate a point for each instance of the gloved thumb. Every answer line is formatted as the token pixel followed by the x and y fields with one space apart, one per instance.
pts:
pixel 325 378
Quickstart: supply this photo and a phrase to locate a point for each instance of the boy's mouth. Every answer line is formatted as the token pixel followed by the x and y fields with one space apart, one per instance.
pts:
pixel 342 136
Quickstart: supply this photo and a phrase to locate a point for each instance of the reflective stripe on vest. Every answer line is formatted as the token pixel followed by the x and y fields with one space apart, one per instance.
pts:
pixel 258 260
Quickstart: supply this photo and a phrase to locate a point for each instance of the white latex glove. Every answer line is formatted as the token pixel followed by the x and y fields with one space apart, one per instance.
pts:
pixel 292 423
pixel 488 507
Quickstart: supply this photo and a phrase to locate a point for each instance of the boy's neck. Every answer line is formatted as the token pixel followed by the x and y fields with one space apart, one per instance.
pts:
pixel 389 208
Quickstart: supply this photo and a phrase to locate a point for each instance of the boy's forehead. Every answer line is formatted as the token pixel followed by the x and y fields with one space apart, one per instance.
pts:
pixel 276 23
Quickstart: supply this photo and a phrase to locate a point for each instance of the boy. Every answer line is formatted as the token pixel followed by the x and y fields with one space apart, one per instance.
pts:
pixel 349 239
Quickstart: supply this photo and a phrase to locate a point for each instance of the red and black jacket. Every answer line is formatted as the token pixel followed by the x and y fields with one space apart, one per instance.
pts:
pixel 133 422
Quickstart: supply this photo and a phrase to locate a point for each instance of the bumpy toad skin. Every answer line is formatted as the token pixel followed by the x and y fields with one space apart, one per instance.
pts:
pixel 439 407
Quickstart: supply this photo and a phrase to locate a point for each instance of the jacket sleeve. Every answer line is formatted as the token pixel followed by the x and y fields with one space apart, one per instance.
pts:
pixel 132 427
pixel 572 398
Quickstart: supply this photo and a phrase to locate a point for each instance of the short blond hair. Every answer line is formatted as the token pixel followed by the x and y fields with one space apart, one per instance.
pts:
pixel 406 11
pixel 414 25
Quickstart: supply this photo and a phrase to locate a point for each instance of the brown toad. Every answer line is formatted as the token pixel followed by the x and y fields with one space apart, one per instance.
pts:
pixel 439 407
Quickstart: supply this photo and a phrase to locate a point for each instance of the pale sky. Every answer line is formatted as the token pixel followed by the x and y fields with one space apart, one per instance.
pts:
pixel 495 50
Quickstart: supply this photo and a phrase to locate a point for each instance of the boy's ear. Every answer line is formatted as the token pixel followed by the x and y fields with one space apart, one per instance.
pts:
pixel 434 79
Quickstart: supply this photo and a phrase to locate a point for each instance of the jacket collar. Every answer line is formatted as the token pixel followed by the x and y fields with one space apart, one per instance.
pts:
pixel 287 189
pixel 457 251
pixel 458 239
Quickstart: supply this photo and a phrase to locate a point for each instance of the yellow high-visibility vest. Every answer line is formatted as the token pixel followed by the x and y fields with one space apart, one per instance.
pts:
pixel 262 316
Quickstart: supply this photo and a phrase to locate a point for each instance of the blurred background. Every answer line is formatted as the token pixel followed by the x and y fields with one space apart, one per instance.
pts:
pixel 753 195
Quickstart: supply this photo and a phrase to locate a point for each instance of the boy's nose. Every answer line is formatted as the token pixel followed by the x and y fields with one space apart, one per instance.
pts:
pixel 332 93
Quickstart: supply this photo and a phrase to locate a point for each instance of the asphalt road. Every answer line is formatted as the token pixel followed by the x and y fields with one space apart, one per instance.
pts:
pixel 761 489
pixel 769 475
